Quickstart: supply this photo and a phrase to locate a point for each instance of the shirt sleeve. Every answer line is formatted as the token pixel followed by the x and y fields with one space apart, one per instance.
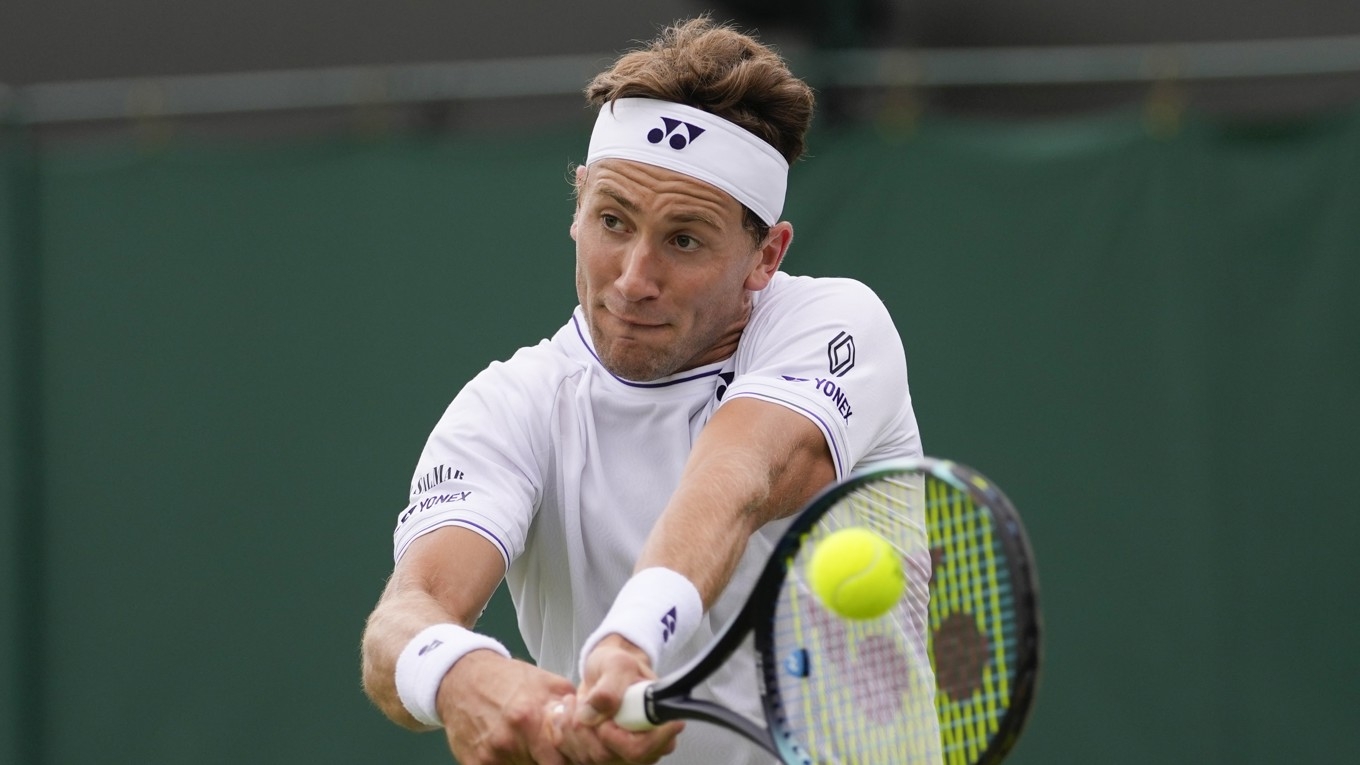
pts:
pixel 480 468
pixel 828 348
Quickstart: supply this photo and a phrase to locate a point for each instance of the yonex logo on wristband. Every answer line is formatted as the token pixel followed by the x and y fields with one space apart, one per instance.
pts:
pixel 653 597
pixel 421 668
pixel 668 624
pixel 677 141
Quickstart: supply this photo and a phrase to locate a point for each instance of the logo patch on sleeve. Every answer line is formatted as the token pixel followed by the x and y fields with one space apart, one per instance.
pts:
pixel 436 476
pixel 724 380
pixel 840 354
pixel 828 387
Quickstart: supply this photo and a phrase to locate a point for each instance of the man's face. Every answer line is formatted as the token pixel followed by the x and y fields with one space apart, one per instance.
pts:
pixel 663 268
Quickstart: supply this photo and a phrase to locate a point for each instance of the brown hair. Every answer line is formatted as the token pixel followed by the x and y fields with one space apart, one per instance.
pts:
pixel 717 69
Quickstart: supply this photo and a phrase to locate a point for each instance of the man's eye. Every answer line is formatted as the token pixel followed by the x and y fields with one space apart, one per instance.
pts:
pixel 686 242
pixel 611 222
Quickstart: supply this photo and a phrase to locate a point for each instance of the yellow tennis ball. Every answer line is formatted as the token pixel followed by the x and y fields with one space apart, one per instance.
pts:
pixel 856 573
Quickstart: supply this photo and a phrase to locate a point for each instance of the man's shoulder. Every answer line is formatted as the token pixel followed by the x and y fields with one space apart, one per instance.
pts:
pixel 787 292
pixel 546 363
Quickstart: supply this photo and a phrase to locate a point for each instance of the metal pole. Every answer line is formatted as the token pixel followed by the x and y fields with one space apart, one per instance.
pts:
pixel 143 97
pixel 26 412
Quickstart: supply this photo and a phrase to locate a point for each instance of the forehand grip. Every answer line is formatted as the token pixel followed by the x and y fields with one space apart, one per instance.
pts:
pixel 632 713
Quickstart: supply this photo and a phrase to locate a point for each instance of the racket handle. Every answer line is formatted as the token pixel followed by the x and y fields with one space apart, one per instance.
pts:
pixel 632 713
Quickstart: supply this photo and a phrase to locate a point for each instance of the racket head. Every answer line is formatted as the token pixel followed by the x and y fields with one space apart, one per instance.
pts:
pixel 985 620
pixel 840 690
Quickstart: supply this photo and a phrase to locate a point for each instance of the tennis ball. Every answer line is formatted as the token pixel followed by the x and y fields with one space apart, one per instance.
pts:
pixel 856 573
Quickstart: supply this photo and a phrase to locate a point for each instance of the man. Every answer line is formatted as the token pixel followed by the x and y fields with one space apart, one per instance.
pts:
pixel 629 476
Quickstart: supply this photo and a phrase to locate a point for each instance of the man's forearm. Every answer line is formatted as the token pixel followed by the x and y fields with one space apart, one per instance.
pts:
pixel 445 577
pixel 398 618
pixel 758 463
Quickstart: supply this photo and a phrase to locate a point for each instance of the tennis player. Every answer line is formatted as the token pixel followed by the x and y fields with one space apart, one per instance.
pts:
pixel 628 476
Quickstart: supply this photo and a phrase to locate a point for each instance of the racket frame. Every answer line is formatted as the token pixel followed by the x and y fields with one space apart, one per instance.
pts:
pixel 1010 530
pixel 670 698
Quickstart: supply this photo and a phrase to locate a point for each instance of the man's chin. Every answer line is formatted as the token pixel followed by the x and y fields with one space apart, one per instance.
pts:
pixel 638 367
pixel 634 372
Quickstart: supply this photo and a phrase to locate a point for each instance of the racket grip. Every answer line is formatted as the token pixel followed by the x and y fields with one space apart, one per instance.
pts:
pixel 632 714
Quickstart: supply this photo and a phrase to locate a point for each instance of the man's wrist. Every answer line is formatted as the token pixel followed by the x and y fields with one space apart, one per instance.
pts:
pixel 657 610
pixel 427 658
pixel 615 640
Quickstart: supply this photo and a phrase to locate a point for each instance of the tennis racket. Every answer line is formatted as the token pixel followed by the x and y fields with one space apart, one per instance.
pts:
pixel 947 675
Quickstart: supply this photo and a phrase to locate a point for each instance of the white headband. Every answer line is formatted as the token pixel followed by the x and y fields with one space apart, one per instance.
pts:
pixel 696 143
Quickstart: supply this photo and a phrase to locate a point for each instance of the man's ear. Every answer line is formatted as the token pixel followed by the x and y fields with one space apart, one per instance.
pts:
pixel 771 255
pixel 580 187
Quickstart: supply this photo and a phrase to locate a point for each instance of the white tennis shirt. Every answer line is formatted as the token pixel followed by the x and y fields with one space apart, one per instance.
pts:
pixel 565 467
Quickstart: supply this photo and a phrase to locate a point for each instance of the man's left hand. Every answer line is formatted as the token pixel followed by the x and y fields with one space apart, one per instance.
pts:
pixel 613 666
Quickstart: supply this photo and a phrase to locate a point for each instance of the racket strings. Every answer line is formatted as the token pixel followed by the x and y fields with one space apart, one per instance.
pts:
pixel 972 630
pixel 861 691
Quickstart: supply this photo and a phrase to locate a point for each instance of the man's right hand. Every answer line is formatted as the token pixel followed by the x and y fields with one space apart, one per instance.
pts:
pixel 500 711
pixel 496 711
pixel 611 668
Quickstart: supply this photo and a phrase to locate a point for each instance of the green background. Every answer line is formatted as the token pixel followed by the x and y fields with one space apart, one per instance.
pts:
pixel 220 361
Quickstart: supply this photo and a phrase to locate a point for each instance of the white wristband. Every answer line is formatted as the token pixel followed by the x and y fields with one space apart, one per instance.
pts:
pixel 427 658
pixel 657 610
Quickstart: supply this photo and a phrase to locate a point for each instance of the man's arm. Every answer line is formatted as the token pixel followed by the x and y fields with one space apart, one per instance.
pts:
pixel 496 711
pixel 754 462
pixel 425 590
pixel 493 708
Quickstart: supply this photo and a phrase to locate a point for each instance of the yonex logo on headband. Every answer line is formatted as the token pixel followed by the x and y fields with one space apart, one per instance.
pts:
pixel 666 134
pixel 677 141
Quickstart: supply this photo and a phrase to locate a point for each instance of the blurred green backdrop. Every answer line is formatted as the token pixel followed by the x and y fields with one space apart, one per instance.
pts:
pixel 220 361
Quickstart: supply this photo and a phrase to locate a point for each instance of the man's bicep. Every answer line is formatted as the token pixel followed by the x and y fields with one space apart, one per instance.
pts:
pixel 790 443
pixel 459 568
pixel 829 349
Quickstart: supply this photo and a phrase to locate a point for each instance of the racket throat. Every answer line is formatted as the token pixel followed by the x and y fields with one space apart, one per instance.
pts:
pixel 687 708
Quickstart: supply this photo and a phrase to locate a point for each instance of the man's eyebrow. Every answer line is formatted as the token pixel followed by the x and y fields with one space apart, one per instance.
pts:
pixel 688 216
pixel 619 199
pixel 696 217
